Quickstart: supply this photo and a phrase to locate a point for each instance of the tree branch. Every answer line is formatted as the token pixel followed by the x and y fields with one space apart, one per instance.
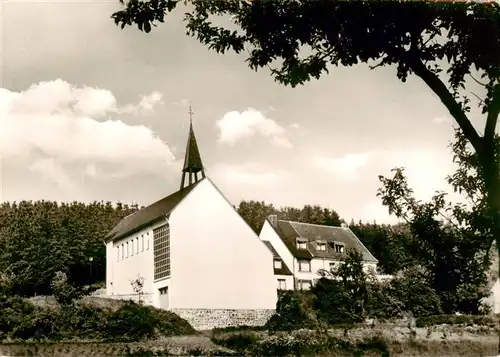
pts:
pixel 477 81
pixel 493 111
pixel 440 89
pixel 478 98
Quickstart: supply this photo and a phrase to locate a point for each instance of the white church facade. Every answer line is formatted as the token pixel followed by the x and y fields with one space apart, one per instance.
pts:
pixel 195 254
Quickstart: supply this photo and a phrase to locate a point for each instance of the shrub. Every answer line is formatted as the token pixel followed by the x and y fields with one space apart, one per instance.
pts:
pixel 40 324
pixel 382 304
pixel 313 343
pixel 133 322
pixel 412 289
pixel 62 290
pixel 341 295
pixel 83 321
pixel 294 310
pixel 238 341
pixel 13 311
pixel 20 319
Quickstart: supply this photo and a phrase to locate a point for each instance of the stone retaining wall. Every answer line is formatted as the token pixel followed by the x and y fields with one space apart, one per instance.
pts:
pixel 207 319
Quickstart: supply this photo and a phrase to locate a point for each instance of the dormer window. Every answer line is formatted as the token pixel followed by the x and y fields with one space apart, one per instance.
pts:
pixel 338 247
pixel 301 244
pixel 277 264
pixel 321 246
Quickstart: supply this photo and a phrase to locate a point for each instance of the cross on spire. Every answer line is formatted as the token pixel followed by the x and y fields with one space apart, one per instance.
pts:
pixel 190 112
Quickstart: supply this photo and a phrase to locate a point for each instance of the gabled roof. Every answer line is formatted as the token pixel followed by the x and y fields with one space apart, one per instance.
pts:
pixel 149 215
pixel 284 268
pixel 289 232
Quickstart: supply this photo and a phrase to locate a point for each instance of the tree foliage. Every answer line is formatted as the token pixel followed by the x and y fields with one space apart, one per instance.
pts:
pixel 342 293
pixel 38 239
pixel 447 240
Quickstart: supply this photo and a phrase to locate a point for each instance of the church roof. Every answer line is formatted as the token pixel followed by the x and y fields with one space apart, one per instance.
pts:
pixel 149 215
pixel 284 268
pixel 289 231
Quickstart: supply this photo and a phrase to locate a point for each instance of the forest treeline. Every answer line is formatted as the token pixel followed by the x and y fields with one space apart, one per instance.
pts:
pixel 38 239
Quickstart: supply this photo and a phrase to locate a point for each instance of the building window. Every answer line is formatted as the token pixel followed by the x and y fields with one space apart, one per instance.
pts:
pixel 122 249
pixel 147 241
pixel 321 246
pixel 339 248
pixel 301 244
pixel 304 265
pixel 118 253
pixel 142 243
pixel 304 284
pixel 161 251
pixel 277 264
pixel 126 250
pixel 281 284
pixel 132 247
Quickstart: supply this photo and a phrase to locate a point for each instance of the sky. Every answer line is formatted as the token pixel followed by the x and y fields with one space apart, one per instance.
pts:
pixel 92 112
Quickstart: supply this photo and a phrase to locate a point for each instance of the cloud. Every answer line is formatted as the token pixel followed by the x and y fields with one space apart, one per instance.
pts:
pixel 346 166
pixel 295 125
pixel 146 104
pixel 235 126
pixel 252 173
pixel 375 211
pixel 425 168
pixel 61 97
pixel 441 120
pixel 52 128
pixel 181 103
pixel 51 170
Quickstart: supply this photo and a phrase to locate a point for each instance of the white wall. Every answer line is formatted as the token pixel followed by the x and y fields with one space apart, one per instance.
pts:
pixel 217 260
pixel 268 233
pixel 494 299
pixel 120 273
pixel 288 279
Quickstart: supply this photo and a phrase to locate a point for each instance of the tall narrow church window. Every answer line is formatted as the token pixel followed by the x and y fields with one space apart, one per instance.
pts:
pixel 161 251
pixel 122 251
pixel 137 245
pixel 142 243
pixel 132 247
pixel 117 253
pixel 127 250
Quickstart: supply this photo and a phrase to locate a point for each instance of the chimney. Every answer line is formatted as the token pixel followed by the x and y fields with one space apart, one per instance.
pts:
pixel 273 219
pixel 344 225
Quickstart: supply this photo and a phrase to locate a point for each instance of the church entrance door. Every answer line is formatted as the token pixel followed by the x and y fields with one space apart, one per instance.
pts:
pixel 164 298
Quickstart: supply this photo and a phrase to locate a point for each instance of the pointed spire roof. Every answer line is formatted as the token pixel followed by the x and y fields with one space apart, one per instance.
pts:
pixel 192 159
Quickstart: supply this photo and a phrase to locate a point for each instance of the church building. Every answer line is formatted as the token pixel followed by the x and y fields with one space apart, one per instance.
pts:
pixel 195 255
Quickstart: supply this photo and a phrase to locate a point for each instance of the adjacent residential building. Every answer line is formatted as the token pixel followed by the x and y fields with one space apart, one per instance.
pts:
pixel 305 249
pixel 195 255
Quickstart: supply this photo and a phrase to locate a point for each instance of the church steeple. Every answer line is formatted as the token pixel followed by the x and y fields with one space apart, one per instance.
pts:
pixel 192 161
